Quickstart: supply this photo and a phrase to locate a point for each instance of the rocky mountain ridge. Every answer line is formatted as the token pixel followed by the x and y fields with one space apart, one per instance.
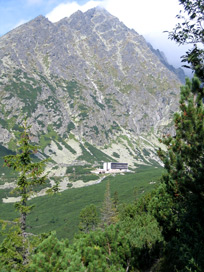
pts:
pixel 89 86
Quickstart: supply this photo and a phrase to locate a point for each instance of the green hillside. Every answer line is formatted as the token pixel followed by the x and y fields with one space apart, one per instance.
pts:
pixel 61 211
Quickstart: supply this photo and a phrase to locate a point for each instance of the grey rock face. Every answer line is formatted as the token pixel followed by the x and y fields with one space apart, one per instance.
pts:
pixel 88 74
pixel 177 71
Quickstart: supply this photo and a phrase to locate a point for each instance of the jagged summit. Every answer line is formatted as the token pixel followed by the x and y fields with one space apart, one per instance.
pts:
pixel 98 11
pixel 87 75
pixel 40 18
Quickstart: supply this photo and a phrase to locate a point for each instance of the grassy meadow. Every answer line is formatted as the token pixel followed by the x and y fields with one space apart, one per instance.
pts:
pixel 61 211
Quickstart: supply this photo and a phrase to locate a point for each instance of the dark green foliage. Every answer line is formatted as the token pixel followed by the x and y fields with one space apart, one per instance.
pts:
pixel 7 172
pixel 115 200
pixel 179 205
pixel 116 155
pixel 29 175
pixel 50 256
pixel 115 126
pixel 133 244
pixel 109 103
pixel 97 154
pixel 84 178
pixel 46 82
pixel 78 169
pixel 69 147
pixel 117 248
pixel 195 59
pixel 145 239
pixel 70 127
pixel 97 251
pixel 10 255
pixel 87 178
pixel 11 259
pixel 101 106
pixel 86 156
pixel 162 207
pixel 84 111
pixel 27 91
pixel 66 206
pixel 162 231
pixel 59 146
pixel 108 210
pixel 45 139
pixel 190 31
pixel 3 123
pixel 146 152
pixel 92 154
pixel 88 218
pixel 72 88
pixel 95 128
pixel 187 147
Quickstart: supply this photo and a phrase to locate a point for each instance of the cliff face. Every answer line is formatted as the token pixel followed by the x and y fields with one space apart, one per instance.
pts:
pixel 84 81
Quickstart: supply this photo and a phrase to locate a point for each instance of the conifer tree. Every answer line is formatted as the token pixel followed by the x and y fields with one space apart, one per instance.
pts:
pixel 184 183
pixel 50 255
pixel 30 174
pixel 115 200
pixel 182 189
pixel 178 203
pixel 108 211
pixel 185 159
pixel 88 218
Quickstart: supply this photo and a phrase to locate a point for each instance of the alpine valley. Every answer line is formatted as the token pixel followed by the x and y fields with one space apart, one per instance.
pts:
pixel 92 90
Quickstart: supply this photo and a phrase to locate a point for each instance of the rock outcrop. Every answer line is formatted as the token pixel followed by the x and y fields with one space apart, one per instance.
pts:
pixel 87 77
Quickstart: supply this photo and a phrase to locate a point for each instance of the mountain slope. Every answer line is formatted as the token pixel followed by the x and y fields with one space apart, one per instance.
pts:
pixel 90 87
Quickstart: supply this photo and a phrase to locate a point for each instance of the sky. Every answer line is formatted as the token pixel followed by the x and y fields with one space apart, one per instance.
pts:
pixel 149 18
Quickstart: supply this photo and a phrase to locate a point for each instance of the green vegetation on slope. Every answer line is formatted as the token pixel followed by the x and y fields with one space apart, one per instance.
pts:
pixel 61 212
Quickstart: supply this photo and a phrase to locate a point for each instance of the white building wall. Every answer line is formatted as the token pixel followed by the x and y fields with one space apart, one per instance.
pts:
pixel 105 166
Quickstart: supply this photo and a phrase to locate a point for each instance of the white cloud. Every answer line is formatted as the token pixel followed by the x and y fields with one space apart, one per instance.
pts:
pixel 66 9
pixel 150 19
pixel 147 17
pixel 144 16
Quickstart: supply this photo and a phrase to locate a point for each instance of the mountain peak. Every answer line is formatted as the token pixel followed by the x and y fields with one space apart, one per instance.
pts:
pixel 99 11
pixel 40 18
pixel 87 74
pixel 78 13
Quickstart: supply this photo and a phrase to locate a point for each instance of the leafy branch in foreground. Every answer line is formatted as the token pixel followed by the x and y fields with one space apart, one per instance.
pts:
pixel 191 31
